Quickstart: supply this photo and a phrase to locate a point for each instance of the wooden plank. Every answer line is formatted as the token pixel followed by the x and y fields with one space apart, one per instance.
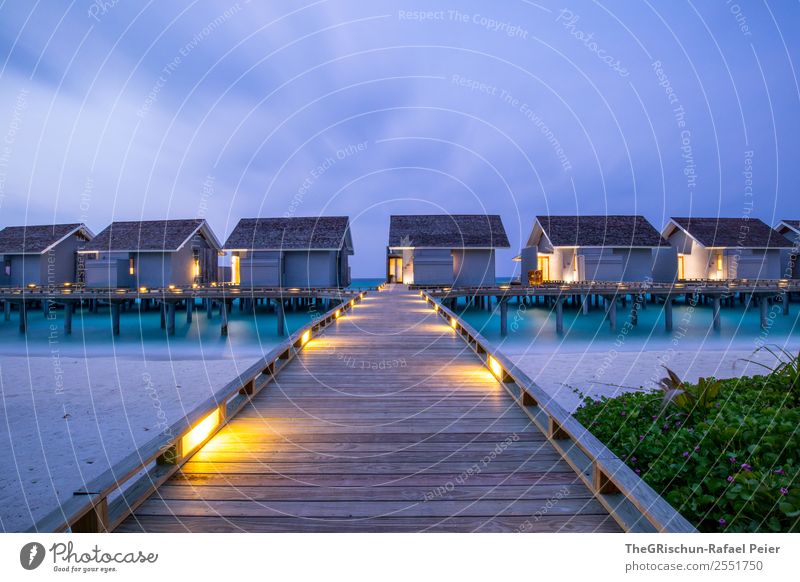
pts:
pixel 497 524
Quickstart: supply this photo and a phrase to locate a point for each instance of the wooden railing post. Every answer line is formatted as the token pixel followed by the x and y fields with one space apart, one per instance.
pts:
pixel 95 520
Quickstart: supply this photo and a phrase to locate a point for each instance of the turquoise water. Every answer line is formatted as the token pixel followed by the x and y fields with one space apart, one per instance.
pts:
pixel 532 329
pixel 141 333
pixel 366 283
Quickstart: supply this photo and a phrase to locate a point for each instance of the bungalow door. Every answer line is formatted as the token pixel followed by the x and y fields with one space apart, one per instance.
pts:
pixel 544 267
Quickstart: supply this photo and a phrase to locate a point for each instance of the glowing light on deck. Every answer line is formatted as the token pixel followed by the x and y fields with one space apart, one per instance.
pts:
pixel 496 368
pixel 200 432
pixel 453 323
pixel 305 337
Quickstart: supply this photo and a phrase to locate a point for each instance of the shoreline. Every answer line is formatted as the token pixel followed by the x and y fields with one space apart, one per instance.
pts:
pixel 57 434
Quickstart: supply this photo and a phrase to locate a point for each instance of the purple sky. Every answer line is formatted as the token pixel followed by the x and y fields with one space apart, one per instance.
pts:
pixel 121 110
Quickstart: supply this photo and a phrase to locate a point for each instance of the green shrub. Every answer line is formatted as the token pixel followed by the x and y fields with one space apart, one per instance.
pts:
pixel 725 453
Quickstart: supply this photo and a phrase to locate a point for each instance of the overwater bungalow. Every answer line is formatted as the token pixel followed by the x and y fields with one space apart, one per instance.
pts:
pixel 290 252
pixel 447 250
pixel 43 255
pixel 789 257
pixel 726 248
pixel 152 254
pixel 617 248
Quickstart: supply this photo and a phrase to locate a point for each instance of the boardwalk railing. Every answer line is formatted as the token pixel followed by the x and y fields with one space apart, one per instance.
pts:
pixel 226 291
pixel 104 502
pixel 680 287
pixel 629 500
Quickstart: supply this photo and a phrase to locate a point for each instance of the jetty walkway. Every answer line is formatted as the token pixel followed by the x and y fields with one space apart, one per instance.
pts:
pixel 387 421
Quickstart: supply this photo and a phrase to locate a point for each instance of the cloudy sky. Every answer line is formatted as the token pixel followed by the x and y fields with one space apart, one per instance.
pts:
pixel 122 109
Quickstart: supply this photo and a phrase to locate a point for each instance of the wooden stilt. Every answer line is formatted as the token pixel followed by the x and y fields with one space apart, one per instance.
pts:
pixel 764 305
pixel 115 308
pixel 503 317
pixel 611 309
pixel 559 315
pixel 69 309
pixel 223 316
pixel 189 310
pixel 716 315
pixel 668 314
pixel 171 318
pixel 7 310
pixel 281 313
pixel 23 317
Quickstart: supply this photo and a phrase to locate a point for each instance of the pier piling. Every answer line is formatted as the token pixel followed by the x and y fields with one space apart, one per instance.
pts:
pixel 171 318
pixel 69 309
pixel 115 309
pixel 23 317
pixel 559 315
pixel 668 314
pixel 281 313
pixel 223 316
pixel 717 321
pixel 611 309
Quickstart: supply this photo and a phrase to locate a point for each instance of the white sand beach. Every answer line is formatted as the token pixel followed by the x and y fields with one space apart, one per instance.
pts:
pixel 64 422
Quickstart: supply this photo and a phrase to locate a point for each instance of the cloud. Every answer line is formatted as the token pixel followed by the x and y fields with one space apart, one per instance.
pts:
pixel 139 110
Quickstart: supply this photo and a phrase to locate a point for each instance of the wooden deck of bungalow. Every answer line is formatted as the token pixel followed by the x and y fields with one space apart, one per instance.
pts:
pixel 386 422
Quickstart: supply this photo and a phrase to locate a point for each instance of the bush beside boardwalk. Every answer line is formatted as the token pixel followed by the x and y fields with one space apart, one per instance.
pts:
pixel 725 453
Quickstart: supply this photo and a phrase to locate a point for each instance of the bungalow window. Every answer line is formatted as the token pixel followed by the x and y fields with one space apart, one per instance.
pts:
pixel 235 269
pixel 719 262
pixel 196 262
pixel 7 267
pixel 131 265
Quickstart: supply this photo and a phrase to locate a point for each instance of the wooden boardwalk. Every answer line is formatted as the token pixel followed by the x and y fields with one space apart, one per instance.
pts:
pixel 387 422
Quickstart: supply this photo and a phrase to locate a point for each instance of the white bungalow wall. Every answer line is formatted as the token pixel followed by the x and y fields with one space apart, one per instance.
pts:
pixel 529 256
pixel 433 267
pixel 753 264
pixel 260 269
pixel 311 269
pixel 790 269
pixel 473 268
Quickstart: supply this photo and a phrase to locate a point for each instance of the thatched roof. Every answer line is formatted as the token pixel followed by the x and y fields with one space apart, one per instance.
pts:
pixel 732 232
pixel 149 236
pixel 17 240
pixel 452 231
pixel 600 231
pixel 293 233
